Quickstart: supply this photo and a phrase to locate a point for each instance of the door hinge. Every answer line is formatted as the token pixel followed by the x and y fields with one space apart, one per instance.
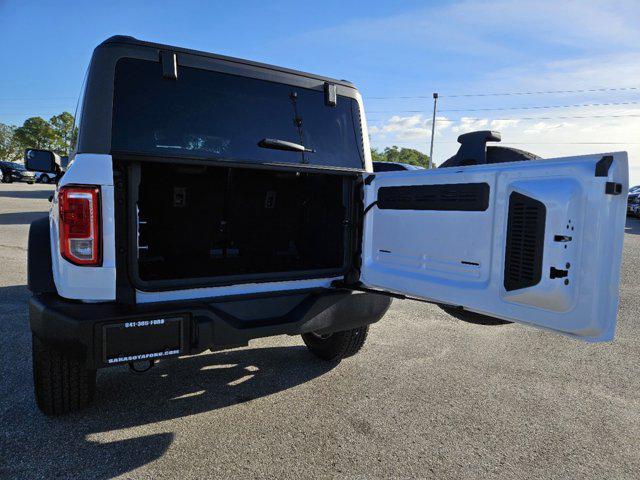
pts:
pixel 603 165
pixel 169 65
pixel 330 94
pixel 612 188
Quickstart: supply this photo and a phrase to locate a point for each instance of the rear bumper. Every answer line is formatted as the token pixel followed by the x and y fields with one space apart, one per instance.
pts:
pixel 78 328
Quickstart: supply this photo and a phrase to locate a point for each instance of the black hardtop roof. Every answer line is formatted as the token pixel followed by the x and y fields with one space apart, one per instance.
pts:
pixel 127 40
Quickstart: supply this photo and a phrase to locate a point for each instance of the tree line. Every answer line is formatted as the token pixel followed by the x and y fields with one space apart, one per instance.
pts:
pixel 400 155
pixel 54 134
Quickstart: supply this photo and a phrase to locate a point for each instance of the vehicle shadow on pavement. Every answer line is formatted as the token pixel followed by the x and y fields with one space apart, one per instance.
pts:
pixel 472 317
pixel 35 446
pixel 632 226
pixel 21 218
pixel 37 194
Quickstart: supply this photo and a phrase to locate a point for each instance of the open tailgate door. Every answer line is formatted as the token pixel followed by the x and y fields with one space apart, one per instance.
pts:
pixel 537 242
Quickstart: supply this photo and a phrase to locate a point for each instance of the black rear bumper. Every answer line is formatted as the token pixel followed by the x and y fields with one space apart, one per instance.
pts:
pixel 78 328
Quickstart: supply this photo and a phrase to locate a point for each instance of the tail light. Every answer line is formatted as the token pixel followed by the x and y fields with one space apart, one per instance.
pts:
pixel 80 224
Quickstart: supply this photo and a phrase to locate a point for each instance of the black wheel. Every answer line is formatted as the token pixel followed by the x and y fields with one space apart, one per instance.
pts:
pixel 44 178
pixel 338 345
pixel 496 155
pixel 61 384
pixel 7 178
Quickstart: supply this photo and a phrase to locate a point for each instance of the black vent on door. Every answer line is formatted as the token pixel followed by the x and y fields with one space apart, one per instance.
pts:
pixel 468 197
pixel 525 242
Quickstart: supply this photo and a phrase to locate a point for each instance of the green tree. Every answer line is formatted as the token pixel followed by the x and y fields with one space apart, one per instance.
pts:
pixel 62 126
pixel 35 132
pixel 9 150
pixel 401 155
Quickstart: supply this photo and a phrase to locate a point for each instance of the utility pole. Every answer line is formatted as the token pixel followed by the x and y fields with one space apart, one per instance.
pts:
pixel 433 129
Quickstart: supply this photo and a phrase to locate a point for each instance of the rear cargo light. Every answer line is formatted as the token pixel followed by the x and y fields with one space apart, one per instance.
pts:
pixel 80 224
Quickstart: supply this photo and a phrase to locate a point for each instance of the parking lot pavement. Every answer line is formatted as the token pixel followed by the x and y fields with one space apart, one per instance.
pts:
pixel 430 396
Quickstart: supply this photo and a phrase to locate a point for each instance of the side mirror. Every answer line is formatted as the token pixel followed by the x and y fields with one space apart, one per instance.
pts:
pixel 41 161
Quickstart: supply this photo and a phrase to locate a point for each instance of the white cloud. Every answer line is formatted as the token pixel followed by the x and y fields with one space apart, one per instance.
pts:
pixel 467 124
pixel 545 127
pixel 504 124
pixel 506 46
pixel 413 127
pixel 547 138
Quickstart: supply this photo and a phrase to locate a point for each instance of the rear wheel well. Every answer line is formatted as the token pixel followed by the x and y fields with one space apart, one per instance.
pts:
pixel 39 267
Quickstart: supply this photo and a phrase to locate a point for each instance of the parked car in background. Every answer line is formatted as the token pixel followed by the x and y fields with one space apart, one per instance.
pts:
pixel 16 172
pixel 633 200
pixel 44 177
pixel 635 189
pixel 394 167
pixel 633 205
pixel 49 177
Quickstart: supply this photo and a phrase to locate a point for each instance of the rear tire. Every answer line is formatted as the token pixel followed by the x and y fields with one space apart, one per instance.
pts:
pixel 44 179
pixel 338 345
pixel 61 384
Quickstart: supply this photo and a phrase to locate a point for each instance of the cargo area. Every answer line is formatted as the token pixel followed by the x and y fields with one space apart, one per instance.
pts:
pixel 217 224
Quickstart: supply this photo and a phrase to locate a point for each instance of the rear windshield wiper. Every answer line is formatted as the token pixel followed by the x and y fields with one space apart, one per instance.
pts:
pixel 276 144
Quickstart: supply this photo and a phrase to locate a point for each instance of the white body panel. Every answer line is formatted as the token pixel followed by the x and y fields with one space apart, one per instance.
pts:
pixel 421 252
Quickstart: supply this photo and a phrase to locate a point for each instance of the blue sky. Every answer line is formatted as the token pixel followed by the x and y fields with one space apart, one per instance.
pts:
pixel 389 49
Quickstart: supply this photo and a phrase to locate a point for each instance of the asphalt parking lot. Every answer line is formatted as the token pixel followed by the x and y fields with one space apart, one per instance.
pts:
pixel 430 396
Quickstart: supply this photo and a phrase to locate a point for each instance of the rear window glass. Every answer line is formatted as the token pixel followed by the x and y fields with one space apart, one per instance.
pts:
pixel 216 115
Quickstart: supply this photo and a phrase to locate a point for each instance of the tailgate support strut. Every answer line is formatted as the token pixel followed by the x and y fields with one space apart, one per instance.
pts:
pixel 358 287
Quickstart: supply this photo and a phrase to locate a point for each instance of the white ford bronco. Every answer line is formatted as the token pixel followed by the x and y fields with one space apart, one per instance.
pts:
pixel 211 200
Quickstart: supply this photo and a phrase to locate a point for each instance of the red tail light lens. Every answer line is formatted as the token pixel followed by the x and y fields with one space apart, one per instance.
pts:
pixel 80 224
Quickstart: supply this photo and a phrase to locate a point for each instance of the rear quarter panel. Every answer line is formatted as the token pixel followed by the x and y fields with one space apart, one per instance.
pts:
pixel 87 283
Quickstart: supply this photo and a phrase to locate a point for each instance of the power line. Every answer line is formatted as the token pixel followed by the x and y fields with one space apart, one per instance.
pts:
pixel 41 109
pixel 38 98
pixel 535 107
pixel 500 94
pixel 529 143
pixel 563 117
pixel 552 143
pixel 567 143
